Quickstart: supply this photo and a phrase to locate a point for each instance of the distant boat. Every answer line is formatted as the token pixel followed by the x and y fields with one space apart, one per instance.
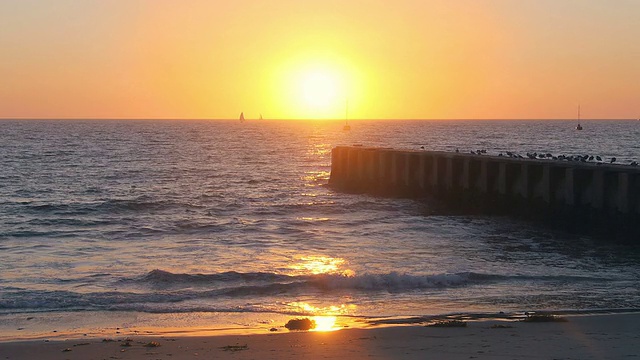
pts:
pixel 242 117
pixel 260 116
pixel 346 126
pixel 579 127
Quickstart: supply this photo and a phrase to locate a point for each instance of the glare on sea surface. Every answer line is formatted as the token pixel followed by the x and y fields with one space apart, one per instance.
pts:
pixel 327 319
pixel 325 323
pixel 324 317
pixel 318 264
pixel 326 310
pixel 313 177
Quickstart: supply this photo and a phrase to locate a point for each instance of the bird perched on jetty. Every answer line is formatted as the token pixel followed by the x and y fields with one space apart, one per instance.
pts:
pixel 598 158
pixel 613 159
pixel 634 163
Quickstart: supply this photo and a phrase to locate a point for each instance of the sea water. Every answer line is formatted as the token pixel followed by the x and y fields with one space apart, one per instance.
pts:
pixel 221 223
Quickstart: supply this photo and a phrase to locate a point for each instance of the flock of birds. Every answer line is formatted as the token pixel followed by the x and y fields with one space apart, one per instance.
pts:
pixel 548 156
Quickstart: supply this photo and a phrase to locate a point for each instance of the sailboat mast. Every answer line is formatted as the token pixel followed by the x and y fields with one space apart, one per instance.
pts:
pixel 346 111
pixel 346 126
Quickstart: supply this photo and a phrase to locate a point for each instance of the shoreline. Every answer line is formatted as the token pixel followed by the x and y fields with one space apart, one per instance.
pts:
pixel 602 336
pixel 74 325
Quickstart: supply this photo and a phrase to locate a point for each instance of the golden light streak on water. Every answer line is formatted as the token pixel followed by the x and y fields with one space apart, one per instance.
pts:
pixel 325 323
pixel 318 264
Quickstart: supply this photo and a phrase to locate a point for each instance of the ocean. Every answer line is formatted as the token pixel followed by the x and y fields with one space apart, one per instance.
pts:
pixel 222 225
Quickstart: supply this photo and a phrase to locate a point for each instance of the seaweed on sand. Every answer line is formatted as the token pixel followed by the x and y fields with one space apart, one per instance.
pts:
pixel 300 324
pixel 235 347
pixel 501 326
pixel 544 318
pixel 449 323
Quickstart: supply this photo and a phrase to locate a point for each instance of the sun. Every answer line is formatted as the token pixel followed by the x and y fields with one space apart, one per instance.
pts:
pixel 312 87
pixel 319 89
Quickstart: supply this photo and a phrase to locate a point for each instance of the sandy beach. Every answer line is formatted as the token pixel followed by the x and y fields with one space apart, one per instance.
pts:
pixel 580 337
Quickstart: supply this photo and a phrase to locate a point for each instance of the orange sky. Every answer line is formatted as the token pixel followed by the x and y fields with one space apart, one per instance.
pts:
pixel 303 59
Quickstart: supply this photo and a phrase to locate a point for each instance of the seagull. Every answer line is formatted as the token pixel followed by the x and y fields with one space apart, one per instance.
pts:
pixel 598 158
pixel 613 159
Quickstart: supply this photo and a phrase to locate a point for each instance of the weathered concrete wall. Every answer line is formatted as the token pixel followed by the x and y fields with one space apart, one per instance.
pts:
pixel 589 195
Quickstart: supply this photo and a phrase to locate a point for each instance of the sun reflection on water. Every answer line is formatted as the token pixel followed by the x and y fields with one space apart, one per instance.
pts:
pixel 327 310
pixel 316 178
pixel 325 323
pixel 313 219
pixel 317 264
pixel 324 318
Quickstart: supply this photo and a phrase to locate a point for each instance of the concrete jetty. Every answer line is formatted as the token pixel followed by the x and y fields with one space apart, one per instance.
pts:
pixel 579 196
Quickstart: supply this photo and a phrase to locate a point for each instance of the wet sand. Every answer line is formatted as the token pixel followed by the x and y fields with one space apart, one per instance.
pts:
pixel 580 337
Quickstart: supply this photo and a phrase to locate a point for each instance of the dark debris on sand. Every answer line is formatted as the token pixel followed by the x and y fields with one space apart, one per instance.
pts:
pixel 449 323
pixel 300 324
pixel 235 347
pixel 544 318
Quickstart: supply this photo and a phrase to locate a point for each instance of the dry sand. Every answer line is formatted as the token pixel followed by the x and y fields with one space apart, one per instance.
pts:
pixel 581 337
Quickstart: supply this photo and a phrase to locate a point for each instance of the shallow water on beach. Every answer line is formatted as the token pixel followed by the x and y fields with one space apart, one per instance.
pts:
pixel 191 218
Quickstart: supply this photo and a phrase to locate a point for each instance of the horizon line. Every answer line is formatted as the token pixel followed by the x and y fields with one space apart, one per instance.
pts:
pixel 310 119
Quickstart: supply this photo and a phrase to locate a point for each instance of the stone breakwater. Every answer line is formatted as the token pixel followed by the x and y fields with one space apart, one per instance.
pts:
pixel 580 196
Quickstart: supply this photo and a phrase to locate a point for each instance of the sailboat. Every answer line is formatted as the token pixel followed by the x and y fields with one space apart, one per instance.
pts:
pixel 242 117
pixel 579 127
pixel 346 126
pixel 260 116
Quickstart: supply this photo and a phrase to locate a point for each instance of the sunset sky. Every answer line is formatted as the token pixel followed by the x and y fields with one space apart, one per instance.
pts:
pixel 290 59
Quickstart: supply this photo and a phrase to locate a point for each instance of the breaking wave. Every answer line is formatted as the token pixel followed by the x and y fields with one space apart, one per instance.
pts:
pixel 163 291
